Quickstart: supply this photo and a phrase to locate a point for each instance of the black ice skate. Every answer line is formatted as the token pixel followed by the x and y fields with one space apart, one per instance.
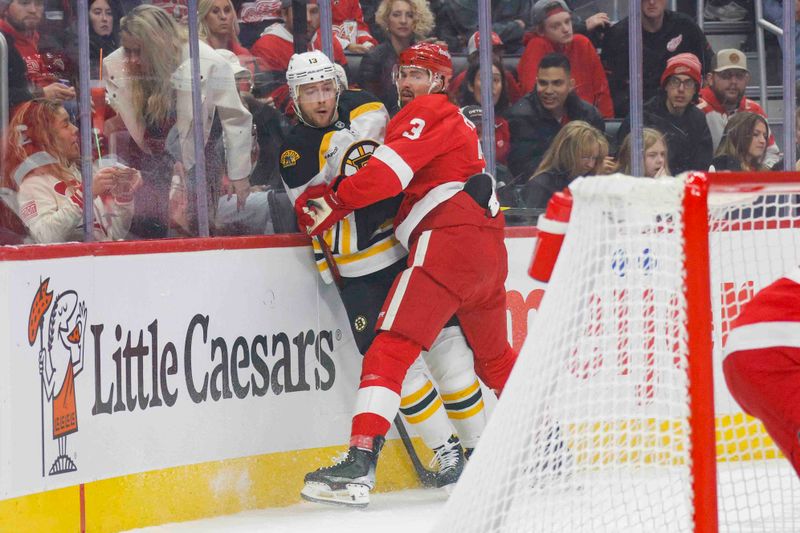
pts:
pixel 449 457
pixel 347 482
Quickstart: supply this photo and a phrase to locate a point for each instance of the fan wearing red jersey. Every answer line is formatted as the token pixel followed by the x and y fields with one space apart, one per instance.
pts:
pixel 457 262
pixel 762 362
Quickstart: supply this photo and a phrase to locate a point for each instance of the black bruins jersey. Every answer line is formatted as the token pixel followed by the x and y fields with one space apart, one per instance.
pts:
pixel 363 242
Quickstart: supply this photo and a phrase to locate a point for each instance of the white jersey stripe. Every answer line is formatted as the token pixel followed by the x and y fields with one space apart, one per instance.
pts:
pixel 377 400
pixel 405 277
pixel 763 335
pixel 393 160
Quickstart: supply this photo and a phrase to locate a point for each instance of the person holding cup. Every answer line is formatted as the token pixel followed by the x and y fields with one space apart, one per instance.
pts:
pixel 42 158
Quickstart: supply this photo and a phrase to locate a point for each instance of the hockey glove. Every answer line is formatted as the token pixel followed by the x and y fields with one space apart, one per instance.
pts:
pixel 318 208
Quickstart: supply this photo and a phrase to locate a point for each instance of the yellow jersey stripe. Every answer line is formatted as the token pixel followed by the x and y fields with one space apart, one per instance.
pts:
pixel 365 108
pixel 323 148
pixel 461 415
pixel 413 398
pixel 460 395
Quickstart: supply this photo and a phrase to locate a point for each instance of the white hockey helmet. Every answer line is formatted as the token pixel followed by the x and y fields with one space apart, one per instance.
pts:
pixel 308 67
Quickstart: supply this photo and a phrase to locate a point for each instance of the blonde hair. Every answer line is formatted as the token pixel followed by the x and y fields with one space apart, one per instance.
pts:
pixel 203 9
pixel 569 145
pixel 162 40
pixel 423 18
pixel 737 137
pixel 31 130
pixel 650 136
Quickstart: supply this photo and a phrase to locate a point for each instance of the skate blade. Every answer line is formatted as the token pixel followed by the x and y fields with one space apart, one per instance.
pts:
pixel 354 495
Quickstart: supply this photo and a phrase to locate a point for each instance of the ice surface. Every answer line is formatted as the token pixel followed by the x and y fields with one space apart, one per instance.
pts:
pixel 394 512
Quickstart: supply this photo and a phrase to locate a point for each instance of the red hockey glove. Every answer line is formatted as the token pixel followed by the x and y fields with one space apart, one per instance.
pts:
pixel 318 208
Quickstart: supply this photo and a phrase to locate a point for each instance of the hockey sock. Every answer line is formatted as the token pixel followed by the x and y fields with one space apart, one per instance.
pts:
pixel 382 373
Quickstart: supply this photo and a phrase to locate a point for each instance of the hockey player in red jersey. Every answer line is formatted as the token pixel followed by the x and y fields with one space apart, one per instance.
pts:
pixel 762 362
pixel 457 261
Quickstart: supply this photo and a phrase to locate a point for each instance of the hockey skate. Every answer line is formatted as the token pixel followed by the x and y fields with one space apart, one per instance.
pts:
pixel 347 482
pixel 449 458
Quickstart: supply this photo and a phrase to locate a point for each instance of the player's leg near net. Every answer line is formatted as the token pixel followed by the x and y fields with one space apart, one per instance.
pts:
pixel 450 361
pixel 421 405
pixel 762 362
pixel 766 383
pixel 422 408
pixel 413 315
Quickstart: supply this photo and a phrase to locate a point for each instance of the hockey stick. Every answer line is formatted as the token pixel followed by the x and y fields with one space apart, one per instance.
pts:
pixel 426 477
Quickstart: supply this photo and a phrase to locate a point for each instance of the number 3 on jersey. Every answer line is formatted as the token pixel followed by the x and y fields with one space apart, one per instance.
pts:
pixel 416 129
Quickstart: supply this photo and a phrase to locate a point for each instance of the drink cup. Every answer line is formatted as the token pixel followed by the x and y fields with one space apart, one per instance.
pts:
pixel 122 190
pixel 98 91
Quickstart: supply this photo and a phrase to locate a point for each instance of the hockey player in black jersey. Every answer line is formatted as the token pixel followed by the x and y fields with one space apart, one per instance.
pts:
pixel 337 133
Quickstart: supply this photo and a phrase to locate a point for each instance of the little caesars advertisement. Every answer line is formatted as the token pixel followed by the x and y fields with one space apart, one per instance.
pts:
pixel 123 364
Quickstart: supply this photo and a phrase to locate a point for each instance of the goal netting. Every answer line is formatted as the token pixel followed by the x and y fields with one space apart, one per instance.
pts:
pixel 600 428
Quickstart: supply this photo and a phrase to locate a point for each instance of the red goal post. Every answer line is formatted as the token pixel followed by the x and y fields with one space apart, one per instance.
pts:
pixel 608 421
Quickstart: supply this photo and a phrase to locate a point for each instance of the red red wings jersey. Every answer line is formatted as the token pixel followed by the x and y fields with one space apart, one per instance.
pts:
pixel 429 151
pixel 771 318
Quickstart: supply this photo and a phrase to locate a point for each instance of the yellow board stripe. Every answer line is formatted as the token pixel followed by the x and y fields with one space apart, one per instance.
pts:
pixel 461 415
pixel 426 414
pixel 365 108
pixel 414 397
pixel 452 397
pixel 192 492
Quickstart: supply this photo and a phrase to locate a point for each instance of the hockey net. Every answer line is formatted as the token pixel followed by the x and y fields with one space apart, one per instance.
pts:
pixel 606 424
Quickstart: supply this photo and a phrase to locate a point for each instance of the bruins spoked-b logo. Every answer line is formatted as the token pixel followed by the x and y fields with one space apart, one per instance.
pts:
pixel 360 323
pixel 356 156
pixel 59 322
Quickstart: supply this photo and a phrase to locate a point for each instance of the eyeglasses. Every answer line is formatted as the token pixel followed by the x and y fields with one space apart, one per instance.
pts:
pixel 590 158
pixel 726 75
pixel 674 83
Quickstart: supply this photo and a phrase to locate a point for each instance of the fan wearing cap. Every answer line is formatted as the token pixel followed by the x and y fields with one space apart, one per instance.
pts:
pixel 673 112
pixel 724 96
pixel 457 260
pixel 553 26
pixel 665 34
pixel 512 86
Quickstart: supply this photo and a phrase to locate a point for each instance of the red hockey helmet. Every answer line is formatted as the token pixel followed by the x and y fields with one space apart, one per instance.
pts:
pixel 429 56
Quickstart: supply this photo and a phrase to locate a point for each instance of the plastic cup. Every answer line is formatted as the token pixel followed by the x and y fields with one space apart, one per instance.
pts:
pixel 122 190
pixel 98 92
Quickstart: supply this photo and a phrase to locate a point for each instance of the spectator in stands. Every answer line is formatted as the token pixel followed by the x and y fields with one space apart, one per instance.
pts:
pixel 104 16
pixel 471 96
pixel 349 27
pixel 458 19
pixel 405 22
pixel 724 96
pixel 179 9
pixel 276 44
pixel 656 158
pixel 553 33
pixel 744 144
pixel 148 84
pixel 473 57
pixel 18 86
pixel 538 116
pixel 673 112
pixel 20 21
pixel 42 157
pixel 219 27
pixel 664 35
pixel 579 149
pixel 254 17
pixel 592 27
